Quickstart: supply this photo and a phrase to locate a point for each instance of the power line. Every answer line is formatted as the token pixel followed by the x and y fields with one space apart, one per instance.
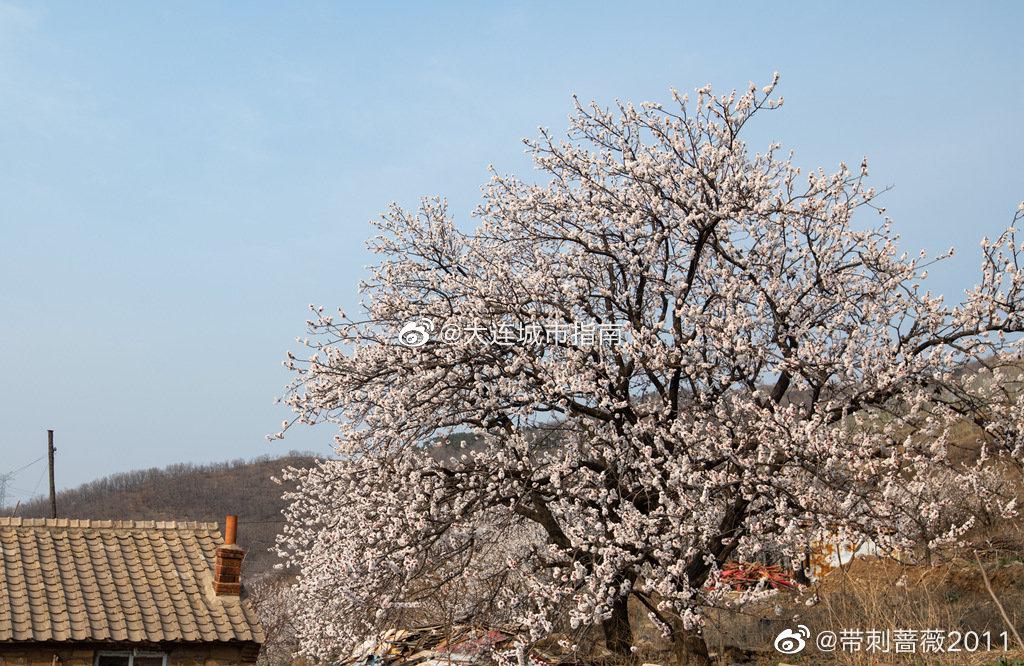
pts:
pixel 25 466
pixel 5 481
pixel 38 481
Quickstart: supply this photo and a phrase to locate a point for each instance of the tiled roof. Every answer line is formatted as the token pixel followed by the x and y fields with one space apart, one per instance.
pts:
pixel 104 580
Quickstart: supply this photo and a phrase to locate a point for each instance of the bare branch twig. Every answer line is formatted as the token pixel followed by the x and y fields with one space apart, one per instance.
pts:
pixel 1002 611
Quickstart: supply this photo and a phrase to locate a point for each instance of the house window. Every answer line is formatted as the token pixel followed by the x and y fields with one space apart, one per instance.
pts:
pixel 149 659
pixel 131 658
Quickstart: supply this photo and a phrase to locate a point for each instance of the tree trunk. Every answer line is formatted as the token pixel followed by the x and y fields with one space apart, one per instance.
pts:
pixel 618 635
pixel 689 648
pixel 803 574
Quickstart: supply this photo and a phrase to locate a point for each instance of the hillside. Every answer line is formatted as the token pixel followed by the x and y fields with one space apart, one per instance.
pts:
pixel 188 492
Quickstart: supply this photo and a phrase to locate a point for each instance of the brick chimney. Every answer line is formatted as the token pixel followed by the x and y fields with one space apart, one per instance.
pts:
pixel 227 574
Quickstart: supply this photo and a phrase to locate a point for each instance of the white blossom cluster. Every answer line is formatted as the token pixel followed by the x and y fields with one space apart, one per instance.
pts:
pixel 783 374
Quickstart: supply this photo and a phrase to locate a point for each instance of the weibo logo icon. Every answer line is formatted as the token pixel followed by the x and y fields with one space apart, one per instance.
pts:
pixel 792 642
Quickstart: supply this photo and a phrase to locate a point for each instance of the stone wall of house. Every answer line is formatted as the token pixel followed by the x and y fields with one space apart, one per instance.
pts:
pixel 38 655
pixel 51 654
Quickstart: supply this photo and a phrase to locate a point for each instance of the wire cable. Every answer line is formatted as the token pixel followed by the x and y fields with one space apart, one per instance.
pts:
pixel 25 466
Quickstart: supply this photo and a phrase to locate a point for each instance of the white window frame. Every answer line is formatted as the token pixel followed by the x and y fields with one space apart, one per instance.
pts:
pixel 131 654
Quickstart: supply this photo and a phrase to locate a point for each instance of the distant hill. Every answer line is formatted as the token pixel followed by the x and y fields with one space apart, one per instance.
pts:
pixel 188 492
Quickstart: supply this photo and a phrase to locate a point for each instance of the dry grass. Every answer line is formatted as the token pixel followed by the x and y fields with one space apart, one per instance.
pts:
pixel 875 594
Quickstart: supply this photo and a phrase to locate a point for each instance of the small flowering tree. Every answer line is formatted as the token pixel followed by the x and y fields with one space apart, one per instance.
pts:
pixel 777 372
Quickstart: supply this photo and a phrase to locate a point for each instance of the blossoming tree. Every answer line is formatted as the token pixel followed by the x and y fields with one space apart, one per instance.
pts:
pixel 778 372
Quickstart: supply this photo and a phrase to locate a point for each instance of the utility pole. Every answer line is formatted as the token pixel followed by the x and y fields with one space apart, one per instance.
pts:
pixel 53 486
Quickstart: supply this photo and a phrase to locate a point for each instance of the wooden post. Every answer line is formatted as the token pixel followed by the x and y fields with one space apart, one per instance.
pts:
pixel 53 487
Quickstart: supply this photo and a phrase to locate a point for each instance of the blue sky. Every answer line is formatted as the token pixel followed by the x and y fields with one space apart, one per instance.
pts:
pixel 178 181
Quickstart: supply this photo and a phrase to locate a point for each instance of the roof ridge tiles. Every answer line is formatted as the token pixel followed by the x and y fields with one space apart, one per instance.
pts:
pixel 87 523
